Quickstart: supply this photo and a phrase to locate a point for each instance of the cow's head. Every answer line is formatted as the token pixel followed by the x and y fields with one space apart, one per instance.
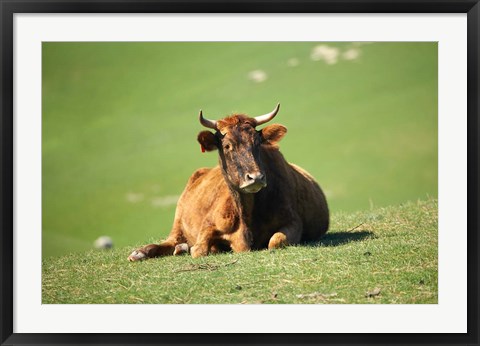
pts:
pixel 239 144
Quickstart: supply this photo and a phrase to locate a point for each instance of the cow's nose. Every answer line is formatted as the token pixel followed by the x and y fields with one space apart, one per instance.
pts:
pixel 255 178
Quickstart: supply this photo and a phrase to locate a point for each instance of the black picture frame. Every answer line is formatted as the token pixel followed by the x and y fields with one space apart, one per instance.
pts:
pixel 10 7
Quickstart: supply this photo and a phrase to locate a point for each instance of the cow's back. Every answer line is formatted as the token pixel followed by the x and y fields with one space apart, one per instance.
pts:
pixel 311 204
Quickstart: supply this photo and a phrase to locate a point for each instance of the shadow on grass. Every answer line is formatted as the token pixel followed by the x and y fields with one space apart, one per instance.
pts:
pixel 341 238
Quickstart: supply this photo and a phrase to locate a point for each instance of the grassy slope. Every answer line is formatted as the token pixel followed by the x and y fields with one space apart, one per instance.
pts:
pixel 120 119
pixel 392 248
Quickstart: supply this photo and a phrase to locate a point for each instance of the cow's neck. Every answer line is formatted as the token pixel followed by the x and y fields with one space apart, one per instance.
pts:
pixel 244 203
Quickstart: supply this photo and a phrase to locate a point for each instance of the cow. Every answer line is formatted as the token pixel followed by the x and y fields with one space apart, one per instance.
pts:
pixel 254 199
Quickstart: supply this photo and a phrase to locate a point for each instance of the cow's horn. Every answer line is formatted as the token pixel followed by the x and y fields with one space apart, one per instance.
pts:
pixel 262 119
pixel 211 124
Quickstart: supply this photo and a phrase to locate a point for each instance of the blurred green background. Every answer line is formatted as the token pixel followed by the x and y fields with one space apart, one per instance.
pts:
pixel 120 122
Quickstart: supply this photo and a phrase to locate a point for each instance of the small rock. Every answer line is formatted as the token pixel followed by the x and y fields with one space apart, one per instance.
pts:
pixel 103 242
pixel 375 292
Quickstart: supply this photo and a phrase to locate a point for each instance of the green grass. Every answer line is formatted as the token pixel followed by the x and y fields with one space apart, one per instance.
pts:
pixel 393 249
pixel 119 127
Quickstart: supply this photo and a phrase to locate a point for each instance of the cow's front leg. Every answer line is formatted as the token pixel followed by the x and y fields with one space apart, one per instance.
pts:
pixel 203 243
pixel 165 248
pixel 199 250
pixel 241 240
pixel 181 249
pixel 173 245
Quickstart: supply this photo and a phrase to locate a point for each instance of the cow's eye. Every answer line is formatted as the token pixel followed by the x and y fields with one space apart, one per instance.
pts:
pixel 227 147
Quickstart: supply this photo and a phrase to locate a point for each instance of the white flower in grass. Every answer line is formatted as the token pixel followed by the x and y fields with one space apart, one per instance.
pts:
pixel 164 201
pixel 133 197
pixel 326 53
pixel 351 54
pixel 361 43
pixel 293 62
pixel 258 76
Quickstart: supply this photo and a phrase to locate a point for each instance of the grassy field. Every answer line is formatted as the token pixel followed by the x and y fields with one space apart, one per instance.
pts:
pixel 386 255
pixel 120 125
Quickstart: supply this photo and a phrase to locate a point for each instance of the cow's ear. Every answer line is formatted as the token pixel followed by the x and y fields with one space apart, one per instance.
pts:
pixel 273 133
pixel 207 140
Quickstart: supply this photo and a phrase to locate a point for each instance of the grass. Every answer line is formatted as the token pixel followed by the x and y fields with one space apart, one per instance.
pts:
pixel 381 256
pixel 119 127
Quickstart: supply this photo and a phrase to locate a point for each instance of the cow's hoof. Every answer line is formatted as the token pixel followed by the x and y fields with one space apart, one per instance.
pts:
pixel 197 251
pixel 181 249
pixel 277 241
pixel 137 255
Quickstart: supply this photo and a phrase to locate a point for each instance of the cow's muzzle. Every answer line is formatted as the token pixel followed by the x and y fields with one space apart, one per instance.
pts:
pixel 254 182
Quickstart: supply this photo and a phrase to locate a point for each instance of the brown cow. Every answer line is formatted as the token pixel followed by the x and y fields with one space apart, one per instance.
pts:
pixel 231 206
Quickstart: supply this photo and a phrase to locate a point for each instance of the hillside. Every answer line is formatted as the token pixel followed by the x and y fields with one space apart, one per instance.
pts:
pixel 386 255
pixel 120 122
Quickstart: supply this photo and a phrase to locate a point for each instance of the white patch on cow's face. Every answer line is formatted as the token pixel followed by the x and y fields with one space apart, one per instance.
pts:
pixel 326 53
pixel 293 62
pixel 351 54
pixel 258 76
pixel 133 197
pixel 164 201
